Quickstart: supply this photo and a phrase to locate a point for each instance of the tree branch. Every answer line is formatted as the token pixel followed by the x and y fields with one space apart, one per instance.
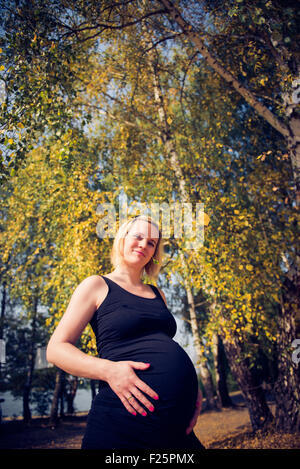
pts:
pixel 108 25
pixel 194 36
pixel 162 40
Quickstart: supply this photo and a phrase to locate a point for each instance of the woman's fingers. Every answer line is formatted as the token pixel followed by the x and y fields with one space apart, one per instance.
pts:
pixel 133 406
pixel 145 388
pixel 137 399
pixel 139 383
pixel 127 405
pixel 191 425
pixel 139 365
pixel 128 386
pixel 196 413
pixel 138 396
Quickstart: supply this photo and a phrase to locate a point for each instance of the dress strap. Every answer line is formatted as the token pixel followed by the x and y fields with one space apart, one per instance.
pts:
pixel 156 290
pixel 109 283
pixel 106 280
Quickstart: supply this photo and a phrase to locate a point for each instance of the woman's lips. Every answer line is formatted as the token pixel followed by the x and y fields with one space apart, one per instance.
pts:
pixel 140 253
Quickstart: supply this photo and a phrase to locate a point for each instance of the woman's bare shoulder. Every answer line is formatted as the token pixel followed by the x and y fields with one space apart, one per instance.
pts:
pixel 93 287
pixel 98 286
pixel 93 281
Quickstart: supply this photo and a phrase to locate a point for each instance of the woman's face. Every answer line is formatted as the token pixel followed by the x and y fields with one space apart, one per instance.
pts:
pixel 140 243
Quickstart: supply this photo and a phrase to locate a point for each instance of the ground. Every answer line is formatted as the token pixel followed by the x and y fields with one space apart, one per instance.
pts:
pixel 227 429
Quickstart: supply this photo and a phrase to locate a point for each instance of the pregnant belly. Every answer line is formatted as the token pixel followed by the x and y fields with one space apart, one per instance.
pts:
pixel 171 374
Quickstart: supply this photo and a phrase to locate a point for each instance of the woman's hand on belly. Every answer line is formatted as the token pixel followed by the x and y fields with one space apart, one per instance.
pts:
pixel 125 383
pixel 196 413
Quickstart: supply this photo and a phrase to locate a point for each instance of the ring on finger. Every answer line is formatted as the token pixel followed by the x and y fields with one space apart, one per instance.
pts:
pixel 128 398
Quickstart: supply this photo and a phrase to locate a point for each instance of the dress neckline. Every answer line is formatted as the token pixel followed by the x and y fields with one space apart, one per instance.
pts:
pixel 138 296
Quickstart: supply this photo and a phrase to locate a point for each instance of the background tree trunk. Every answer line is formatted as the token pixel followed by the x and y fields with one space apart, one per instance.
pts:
pixel 3 307
pixel 207 382
pixel 29 375
pixel 205 374
pixel 70 393
pixel 287 386
pixel 260 414
pixel 61 397
pixel 224 399
pixel 56 396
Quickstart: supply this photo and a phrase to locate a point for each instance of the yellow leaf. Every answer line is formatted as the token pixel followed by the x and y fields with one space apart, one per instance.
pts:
pixel 169 120
pixel 206 219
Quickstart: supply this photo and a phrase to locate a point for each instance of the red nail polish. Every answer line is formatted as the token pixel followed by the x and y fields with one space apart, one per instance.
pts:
pixel 151 409
pixel 144 413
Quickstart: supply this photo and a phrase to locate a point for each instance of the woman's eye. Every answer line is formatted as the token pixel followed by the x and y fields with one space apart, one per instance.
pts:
pixel 137 236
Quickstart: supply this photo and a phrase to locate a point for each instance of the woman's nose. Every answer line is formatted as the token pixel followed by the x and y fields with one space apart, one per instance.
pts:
pixel 143 242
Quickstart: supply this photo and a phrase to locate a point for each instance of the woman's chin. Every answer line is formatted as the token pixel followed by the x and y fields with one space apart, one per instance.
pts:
pixel 135 262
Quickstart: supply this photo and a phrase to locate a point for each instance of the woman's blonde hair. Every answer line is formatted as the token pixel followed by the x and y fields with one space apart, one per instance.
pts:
pixel 151 268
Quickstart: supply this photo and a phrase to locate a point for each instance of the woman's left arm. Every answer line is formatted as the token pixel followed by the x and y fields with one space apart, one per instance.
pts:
pixel 196 413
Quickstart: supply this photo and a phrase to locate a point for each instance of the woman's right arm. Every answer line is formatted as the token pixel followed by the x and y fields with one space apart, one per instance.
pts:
pixel 61 350
pixel 63 353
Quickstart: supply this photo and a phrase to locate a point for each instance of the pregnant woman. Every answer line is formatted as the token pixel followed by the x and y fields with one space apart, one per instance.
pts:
pixel 148 396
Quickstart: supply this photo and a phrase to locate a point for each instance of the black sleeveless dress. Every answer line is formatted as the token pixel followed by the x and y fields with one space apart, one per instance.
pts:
pixel 130 327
